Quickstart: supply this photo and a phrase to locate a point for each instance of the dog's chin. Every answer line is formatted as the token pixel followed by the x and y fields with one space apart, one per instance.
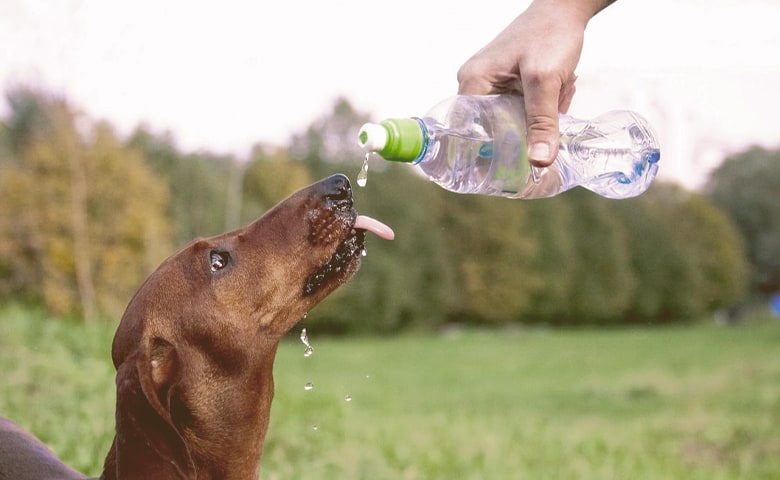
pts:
pixel 342 265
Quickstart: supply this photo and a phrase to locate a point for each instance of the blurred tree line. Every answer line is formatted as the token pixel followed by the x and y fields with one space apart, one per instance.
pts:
pixel 85 215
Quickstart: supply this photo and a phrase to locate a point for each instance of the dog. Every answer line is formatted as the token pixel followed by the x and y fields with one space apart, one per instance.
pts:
pixel 194 350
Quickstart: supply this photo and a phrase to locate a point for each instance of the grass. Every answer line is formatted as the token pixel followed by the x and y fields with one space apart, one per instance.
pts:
pixel 687 402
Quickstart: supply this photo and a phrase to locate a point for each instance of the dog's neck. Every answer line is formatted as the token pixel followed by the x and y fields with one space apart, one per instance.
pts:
pixel 148 445
pixel 236 455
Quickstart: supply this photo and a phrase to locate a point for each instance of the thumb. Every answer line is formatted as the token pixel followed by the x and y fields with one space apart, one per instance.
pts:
pixel 541 112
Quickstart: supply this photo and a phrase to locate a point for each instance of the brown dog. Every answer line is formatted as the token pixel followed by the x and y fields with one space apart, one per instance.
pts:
pixel 195 349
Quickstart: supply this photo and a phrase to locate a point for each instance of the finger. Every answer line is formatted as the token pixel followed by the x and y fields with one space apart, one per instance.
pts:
pixel 567 95
pixel 541 110
pixel 471 79
pixel 485 80
pixel 475 86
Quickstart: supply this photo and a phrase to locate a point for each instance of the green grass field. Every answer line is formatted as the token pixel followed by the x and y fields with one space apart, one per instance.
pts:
pixel 689 402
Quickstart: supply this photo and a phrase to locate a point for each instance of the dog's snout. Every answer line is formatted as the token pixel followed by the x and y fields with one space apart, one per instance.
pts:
pixel 337 188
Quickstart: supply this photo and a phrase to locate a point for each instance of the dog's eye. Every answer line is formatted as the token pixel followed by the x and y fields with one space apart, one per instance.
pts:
pixel 218 260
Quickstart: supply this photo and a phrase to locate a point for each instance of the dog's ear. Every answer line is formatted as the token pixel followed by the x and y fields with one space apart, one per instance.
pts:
pixel 159 371
pixel 148 444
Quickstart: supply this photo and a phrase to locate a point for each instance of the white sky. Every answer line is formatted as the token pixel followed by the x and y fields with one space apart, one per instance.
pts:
pixel 225 75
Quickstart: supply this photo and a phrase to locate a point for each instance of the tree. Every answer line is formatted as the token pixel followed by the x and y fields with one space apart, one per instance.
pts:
pixel 268 178
pixel 44 137
pixel 130 228
pixel 686 252
pixel 331 139
pixel 747 186
pixel 602 281
pixel 60 197
pixel 198 183
pixel 660 261
pixel 487 245
pixel 28 117
pixel 553 258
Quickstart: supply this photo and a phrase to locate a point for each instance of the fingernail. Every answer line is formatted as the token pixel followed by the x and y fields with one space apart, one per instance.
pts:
pixel 539 152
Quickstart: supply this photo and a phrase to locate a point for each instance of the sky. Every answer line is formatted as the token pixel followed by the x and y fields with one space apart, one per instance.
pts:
pixel 222 76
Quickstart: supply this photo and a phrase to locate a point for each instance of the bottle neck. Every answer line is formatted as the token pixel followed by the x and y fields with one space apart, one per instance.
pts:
pixel 396 139
pixel 425 139
pixel 407 140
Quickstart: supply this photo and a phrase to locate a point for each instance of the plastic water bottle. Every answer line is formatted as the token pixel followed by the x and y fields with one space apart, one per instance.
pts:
pixel 477 144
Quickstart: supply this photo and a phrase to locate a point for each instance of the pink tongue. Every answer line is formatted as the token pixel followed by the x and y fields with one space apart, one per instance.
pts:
pixel 374 226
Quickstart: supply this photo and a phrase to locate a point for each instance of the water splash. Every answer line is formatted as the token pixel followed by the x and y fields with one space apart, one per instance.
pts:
pixel 362 177
pixel 305 340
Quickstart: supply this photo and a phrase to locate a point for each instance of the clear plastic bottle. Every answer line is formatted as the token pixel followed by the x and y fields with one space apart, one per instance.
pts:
pixel 477 144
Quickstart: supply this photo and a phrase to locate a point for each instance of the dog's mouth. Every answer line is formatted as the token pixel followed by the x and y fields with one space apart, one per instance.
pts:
pixel 338 219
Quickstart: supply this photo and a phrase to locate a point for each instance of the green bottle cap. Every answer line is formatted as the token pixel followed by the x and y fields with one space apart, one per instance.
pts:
pixel 394 139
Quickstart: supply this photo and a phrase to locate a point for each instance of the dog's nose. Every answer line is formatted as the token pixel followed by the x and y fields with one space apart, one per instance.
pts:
pixel 336 188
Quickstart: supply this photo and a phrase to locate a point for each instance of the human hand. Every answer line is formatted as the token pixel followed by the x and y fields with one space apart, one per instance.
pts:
pixel 535 56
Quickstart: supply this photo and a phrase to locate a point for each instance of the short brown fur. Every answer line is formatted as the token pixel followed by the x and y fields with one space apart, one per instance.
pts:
pixel 195 348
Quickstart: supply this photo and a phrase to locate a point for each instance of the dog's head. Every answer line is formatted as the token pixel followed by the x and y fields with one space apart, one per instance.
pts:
pixel 200 334
pixel 258 280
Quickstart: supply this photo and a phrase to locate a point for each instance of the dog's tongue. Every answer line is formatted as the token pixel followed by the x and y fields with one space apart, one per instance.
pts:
pixel 374 226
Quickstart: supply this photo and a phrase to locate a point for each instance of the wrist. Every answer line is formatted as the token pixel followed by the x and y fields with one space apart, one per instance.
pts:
pixel 579 11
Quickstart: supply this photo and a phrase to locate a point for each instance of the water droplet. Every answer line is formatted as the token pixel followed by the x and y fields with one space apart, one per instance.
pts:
pixel 362 177
pixel 305 340
pixel 348 398
pixel 363 253
pixel 308 386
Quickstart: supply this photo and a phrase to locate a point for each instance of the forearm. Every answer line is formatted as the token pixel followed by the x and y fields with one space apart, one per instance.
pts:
pixel 584 9
pixel 601 5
